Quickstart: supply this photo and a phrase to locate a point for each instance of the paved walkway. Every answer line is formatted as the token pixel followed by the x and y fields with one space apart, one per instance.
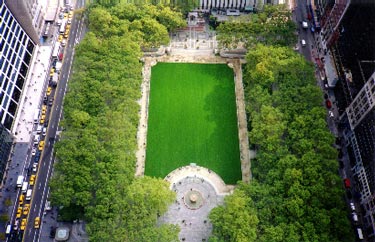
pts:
pixel 32 95
pixel 242 120
pixel 198 190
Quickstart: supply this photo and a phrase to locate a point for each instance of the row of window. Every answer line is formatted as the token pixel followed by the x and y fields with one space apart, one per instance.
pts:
pixel 16 49
pixel 208 4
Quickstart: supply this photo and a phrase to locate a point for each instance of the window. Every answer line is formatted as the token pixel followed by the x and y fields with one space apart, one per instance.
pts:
pixel 17 30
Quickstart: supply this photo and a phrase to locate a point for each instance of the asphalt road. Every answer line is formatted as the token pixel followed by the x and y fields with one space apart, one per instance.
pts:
pixel 300 15
pixel 41 189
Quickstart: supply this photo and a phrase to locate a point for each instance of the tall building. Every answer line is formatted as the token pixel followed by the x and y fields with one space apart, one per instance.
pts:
pixel 348 38
pixel 18 41
pixel 17 46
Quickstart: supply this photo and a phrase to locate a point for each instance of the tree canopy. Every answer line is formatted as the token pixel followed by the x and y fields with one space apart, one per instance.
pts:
pixel 296 187
pixel 94 176
pixel 271 26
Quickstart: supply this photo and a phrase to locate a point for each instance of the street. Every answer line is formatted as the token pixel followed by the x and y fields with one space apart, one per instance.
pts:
pixel 40 188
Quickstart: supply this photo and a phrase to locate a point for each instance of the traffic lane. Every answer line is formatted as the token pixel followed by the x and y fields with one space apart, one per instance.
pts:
pixel 38 193
pixel 54 119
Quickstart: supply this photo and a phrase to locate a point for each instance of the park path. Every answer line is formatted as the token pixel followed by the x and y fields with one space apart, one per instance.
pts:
pixel 242 120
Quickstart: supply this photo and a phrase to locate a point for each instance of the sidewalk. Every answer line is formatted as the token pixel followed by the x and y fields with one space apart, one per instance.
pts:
pixel 32 94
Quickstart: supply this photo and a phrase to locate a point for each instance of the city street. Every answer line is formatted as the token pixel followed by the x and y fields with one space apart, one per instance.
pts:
pixel 22 161
pixel 41 194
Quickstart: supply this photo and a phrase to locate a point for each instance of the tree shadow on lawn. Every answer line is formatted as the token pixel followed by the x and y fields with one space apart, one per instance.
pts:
pixel 221 108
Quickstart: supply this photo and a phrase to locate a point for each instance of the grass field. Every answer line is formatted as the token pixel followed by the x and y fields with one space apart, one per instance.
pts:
pixel 192 119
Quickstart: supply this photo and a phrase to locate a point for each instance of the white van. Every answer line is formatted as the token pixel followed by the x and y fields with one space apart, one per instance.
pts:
pixel 355 217
pixel 19 181
pixel 8 229
pixel 36 116
pixel 24 186
pixel 36 139
pixel 360 234
pixel 28 194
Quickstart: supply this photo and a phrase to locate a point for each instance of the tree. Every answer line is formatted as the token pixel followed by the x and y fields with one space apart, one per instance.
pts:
pixel 236 220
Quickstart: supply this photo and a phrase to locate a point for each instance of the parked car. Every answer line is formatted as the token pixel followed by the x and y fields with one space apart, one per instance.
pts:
pixel 32 180
pixel 352 206
pixel 41 145
pixel 328 104
pixel 347 183
pixel 355 217
pixel 26 209
pixel 23 224
pixel 16 222
pixel 305 25
pixel 37 157
pixel 303 42
pixel 22 198
pixel 49 90
pixel 19 212
pixel 35 167
pixel 33 151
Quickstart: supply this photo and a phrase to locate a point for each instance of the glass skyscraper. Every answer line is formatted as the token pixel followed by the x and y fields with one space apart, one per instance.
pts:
pixel 16 50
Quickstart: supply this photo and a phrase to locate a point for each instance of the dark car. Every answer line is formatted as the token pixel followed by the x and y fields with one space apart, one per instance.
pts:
pixel 328 104
pixel 45 100
pixel 37 157
pixel 50 101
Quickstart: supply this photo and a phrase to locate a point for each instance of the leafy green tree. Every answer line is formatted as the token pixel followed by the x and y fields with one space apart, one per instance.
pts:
pixel 236 220
pixel 273 25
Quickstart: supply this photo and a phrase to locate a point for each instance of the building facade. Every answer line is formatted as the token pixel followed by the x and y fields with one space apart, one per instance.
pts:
pixel 17 47
pixel 235 4
pixel 348 38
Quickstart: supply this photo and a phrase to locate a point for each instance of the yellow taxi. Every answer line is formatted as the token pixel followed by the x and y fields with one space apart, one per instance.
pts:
pixel 42 118
pixel 32 180
pixel 70 15
pixel 44 109
pixel 26 209
pixel 23 224
pixel 52 72
pixel 41 145
pixel 66 34
pixel 22 198
pixel 60 37
pixel 49 90
pixel 37 223
pixel 65 15
pixel 19 212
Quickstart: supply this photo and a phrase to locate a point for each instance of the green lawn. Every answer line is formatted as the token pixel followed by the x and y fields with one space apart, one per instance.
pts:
pixel 192 119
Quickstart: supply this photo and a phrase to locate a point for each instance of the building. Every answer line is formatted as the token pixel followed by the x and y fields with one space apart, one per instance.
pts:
pixel 17 47
pixel 18 44
pixel 6 141
pixel 348 39
pixel 235 4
